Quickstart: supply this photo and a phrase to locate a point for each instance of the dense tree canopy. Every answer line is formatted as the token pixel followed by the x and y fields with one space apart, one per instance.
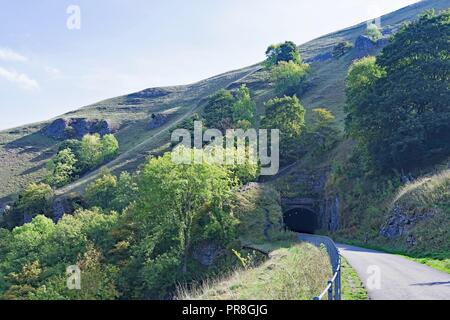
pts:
pixel 218 111
pixel 78 157
pixel 226 109
pixel 35 257
pixel 398 104
pixel 62 168
pixel 178 207
pixel 111 193
pixel 287 115
pixel 244 108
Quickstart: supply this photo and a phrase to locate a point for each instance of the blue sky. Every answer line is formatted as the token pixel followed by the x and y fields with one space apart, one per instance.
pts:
pixel 128 45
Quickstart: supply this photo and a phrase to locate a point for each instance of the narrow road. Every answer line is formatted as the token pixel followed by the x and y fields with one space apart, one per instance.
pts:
pixel 390 277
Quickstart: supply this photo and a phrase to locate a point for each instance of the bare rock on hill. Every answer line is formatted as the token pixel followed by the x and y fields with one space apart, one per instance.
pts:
pixel 322 57
pixel 206 254
pixel 401 221
pixel 157 120
pixel 365 46
pixel 76 128
pixel 151 93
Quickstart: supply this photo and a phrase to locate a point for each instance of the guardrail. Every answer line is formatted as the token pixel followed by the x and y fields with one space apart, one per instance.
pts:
pixel 333 289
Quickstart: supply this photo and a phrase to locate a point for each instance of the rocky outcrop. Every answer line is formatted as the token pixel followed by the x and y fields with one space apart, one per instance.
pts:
pixel 401 222
pixel 59 208
pixel 206 254
pixel 151 93
pixel 76 128
pixel 330 213
pixel 320 57
pixel 157 120
pixel 365 46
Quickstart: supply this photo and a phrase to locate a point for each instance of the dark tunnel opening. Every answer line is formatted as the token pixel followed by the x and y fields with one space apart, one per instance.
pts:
pixel 301 220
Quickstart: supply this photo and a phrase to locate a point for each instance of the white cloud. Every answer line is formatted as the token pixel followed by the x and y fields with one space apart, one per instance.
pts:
pixel 21 79
pixel 10 55
pixel 54 72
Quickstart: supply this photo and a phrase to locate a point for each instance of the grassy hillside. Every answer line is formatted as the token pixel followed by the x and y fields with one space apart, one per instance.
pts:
pixel 24 151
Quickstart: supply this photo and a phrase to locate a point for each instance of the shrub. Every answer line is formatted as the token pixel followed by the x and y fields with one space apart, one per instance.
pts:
pixel 288 77
pixel 286 52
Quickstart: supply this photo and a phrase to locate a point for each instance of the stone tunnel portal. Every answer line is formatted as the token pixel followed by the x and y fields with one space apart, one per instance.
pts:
pixel 301 219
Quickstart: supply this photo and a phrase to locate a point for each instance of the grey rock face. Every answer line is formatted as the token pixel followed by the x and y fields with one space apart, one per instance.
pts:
pixel 320 57
pixel 151 93
pixel 365 46
pixel 59 208
pixel 330 213
pixel 157 120
pixel 76 128
pixel 400 222
pixel 206 254
pixel 56 129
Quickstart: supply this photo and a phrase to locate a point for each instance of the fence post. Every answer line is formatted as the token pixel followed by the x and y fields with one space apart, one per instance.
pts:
pixel 337 286
pixel 330 290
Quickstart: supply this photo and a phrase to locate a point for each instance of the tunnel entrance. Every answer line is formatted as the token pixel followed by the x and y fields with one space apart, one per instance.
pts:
pixel 301 220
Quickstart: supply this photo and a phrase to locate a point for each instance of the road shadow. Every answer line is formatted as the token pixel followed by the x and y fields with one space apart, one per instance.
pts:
pixel 432 284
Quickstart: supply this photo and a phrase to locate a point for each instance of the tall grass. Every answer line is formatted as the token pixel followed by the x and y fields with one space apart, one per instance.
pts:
pixel 299 272
pixel 426 192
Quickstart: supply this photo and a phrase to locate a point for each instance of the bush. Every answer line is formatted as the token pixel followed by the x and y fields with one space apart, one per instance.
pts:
pixel 287 115
pixel 111 193
pixel 373 32
pixel 78 157
pixel 62 168
pixel 288 77
pixel 244 108
pixel 341 49
pixel 35 199
pixel 286 52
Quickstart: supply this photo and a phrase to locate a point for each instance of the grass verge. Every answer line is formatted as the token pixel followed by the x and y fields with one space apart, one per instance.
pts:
pixel 352 286
pixel 293 271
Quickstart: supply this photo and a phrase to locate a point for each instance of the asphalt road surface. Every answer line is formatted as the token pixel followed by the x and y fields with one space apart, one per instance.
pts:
pixel 390 277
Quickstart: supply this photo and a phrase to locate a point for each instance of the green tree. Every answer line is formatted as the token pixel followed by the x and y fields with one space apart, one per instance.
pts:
pixel 362 75
pixel 182 193
pixel 286 51
pixel 35 257
pixel 126 192
pixel 288 77
pixel 322 117
pixel 35 199
pixel 62 168
pixel 102 191
pixel 398 105
pixel 218 111
pixel 244 108
pixel 111 193
pixel 373 32
pixel 287 115
pixel 90 153
pixel 94 150
pixel 109 147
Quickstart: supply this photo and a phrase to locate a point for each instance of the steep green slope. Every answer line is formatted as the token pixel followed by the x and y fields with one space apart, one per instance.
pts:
pixel 24 151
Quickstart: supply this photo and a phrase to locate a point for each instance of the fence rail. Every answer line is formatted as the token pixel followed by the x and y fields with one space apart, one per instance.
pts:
pixel 333 289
